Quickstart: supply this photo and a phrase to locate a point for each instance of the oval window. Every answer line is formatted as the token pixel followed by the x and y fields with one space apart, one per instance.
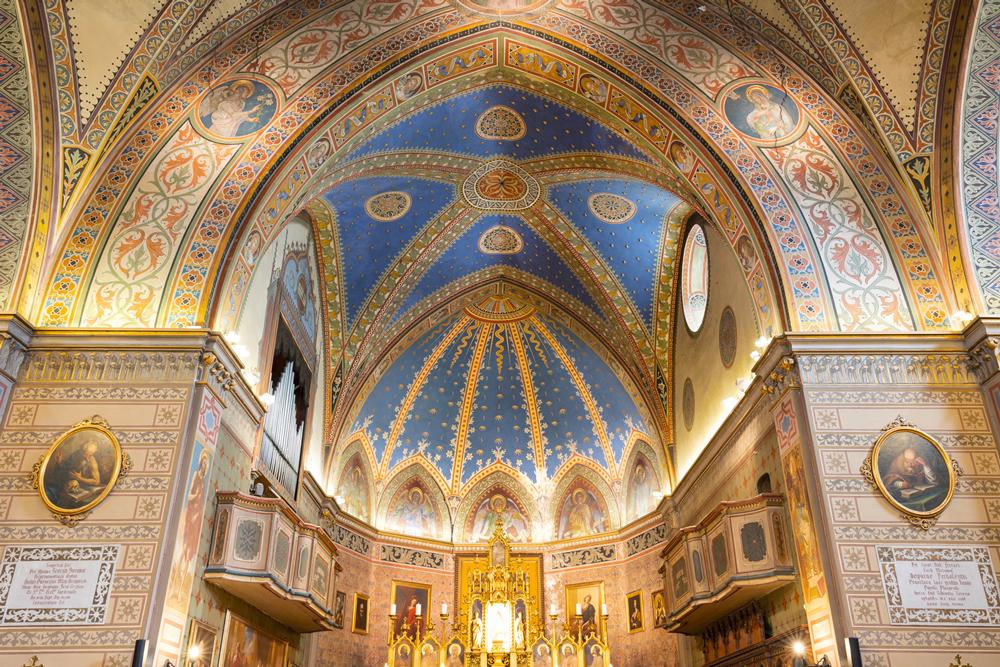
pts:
pixel 694 279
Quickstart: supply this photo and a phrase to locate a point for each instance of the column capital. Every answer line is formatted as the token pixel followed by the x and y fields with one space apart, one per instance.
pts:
pixel 982 340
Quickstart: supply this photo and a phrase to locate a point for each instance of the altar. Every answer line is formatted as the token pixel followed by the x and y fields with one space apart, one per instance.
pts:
pixel 499 620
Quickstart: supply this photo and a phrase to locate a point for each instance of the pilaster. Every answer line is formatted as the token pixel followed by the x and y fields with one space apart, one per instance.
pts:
pixel 831 397
pixel 779 380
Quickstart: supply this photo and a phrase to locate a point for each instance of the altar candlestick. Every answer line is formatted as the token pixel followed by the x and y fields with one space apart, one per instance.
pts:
pixel 418 609
pixel 392 609
pixel 579 609
pixel 604 609
pixel 552 610
pixel 444 608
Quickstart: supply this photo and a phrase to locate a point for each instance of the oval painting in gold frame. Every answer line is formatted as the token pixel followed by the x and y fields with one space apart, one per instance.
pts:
pixel 913 472
pixel 80 468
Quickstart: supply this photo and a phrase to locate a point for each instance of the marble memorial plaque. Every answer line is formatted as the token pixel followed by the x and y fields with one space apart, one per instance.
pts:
pixel 56 585
pixel 950 585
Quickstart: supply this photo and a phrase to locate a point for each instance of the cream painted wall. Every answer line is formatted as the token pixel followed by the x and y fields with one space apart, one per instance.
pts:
pixel 696 356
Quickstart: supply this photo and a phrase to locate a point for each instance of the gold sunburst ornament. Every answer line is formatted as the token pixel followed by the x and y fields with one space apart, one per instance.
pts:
pixel 79 470
pixel 912 471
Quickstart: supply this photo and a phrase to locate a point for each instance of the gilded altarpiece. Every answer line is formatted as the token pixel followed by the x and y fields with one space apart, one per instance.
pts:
pixel 499 604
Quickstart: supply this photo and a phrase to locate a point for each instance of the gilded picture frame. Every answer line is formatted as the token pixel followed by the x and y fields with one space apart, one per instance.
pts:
pixel 241 638
pixel 339 609
pixel 634 613
pixel 206 638
pixel 359 617
pixel 402 594
pixel 912 471
pixel 590 620
pixel 80 469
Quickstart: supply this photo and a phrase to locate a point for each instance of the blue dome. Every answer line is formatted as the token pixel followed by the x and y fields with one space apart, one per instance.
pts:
pixel 499 384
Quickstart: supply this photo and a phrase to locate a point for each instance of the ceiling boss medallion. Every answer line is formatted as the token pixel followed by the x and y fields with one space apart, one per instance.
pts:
pixel 500 185
pixel 388 206
pixel 500 240
pixel 500 123
pixel 610 208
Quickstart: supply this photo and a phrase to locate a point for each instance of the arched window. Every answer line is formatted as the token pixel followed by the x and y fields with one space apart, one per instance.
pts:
pixel 694 278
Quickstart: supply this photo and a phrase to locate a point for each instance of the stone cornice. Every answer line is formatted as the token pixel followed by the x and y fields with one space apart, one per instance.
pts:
pixel 53 354
pixel 792 360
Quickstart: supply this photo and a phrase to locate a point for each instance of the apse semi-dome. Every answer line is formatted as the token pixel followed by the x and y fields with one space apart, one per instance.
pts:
pixel 499 386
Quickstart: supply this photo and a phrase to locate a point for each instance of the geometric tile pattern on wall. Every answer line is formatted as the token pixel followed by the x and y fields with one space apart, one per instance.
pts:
pixel 850 399
pixel 136 393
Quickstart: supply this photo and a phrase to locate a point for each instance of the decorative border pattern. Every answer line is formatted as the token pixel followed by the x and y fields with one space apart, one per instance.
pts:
pixel 17 145
pixel 980 196
pixel 901 615
pixel 403 556
pixel 602 553
pixel 647 540
pixel 350 540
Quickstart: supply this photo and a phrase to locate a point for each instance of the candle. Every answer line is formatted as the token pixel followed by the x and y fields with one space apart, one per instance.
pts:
pixel 552 610
pixel 444 608
pixel 604 609
pixel 418 609
pixel 579 609
pixel 392 609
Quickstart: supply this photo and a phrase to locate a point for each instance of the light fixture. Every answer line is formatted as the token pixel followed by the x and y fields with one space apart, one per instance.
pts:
pixel 743 384
pixel 960 318
pixel 762 342
pixel 798 648
pixel 267 399
pixel 755 355
pixel 194 653
pixel 231 337
pixel 729 402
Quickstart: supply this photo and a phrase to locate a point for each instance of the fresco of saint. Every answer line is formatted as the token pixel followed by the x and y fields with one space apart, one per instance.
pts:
pixel 581 515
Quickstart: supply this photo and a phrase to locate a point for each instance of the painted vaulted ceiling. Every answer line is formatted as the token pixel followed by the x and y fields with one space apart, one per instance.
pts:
pixel 499 382
pixel 441 149
pixel 537 200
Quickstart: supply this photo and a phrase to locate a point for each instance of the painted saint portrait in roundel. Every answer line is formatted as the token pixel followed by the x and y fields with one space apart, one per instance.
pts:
pixel 237 108
pixel 497 509
pixel 762 112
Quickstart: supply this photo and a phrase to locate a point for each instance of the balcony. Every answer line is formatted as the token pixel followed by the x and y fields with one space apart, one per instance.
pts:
pixel 264 553
pixel 740 551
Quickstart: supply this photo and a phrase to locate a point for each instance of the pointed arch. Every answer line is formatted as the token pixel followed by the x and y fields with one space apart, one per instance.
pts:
pixel 355 483
pixel 413 503
pixel 583 505
pixel 477 513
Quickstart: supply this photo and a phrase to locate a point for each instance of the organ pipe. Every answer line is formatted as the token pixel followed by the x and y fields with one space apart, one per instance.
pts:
pixel 281 449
